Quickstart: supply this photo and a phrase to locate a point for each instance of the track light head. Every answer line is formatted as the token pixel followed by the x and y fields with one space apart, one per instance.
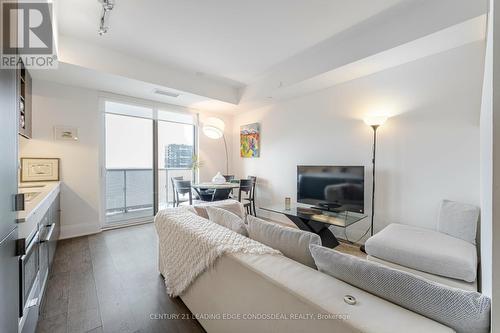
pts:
pixel 107 7
pixel 102 30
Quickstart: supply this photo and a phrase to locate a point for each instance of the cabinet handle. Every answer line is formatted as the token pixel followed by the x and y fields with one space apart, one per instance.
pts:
pixel 49 234
pixel 34 241
pixel 18 202
pixel 20 247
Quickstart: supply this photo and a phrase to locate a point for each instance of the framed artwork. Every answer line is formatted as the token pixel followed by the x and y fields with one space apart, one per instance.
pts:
pixel 250 140
pixel 39 169
pixel 66 133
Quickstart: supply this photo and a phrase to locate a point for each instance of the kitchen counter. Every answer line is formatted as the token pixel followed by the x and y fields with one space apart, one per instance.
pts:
pixel 39 225
pixel 38 197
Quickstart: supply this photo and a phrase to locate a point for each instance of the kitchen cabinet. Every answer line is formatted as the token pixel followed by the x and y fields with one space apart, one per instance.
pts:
pixel 30 286
pixel 49 230
pixel 9 256
pixel 24 88
pixel 32 316
pixel 54 235
pixel 44 251
pixel 9 277
pixel 40 227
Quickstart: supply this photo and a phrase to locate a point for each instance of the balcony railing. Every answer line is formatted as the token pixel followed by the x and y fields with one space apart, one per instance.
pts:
pixel 129 192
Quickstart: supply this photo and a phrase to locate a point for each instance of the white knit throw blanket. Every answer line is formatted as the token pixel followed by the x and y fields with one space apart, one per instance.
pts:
pixel 189 244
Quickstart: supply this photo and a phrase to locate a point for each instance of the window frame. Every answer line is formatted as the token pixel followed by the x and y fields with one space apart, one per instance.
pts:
pixel 156 108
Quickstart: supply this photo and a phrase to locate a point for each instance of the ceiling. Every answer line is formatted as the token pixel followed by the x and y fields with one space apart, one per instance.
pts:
pixel 235 55
pixel 233 40
pixel 78 76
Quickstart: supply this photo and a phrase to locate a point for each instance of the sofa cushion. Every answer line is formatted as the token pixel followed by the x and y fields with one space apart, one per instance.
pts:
pixel 227 219
pixel 464 311
pixel 293 243
pixel 230 205
pixel 425 250
pixel 459 220
pixel 182 209
pixel 455 283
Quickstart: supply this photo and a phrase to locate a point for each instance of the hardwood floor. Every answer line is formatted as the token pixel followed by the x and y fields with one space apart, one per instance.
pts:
pixel 352 249
pixel 109 283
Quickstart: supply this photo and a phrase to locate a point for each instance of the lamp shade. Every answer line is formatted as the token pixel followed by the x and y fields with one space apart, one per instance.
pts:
pixel 375 120
pixel 214 128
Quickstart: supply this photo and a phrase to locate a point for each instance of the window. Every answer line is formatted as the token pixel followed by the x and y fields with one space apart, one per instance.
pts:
pixel 135 186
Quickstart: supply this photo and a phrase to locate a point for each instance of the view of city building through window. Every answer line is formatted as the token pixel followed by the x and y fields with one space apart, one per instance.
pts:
pixel 175 157
pixel 178 156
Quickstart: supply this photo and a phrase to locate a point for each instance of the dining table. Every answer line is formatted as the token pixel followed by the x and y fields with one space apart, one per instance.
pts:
pixel 215 186
pixel 209 191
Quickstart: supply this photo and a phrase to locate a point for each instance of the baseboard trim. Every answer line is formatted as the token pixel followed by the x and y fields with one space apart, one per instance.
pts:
pixel 79 230
pixel 129 224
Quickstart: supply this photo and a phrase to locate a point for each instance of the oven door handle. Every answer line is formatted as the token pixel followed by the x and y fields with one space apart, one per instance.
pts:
pixel 32 302
pixel 49 234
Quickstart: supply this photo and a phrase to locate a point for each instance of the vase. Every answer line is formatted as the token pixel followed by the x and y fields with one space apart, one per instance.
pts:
pixel 218 179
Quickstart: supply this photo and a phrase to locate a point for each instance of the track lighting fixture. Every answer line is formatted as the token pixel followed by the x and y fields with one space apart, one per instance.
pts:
pixel 107 7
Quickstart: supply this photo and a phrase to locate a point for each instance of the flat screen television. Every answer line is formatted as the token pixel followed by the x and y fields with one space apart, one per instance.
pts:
pixel 338 188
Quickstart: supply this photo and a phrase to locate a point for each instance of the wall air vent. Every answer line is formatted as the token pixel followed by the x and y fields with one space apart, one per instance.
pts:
pixel 166 93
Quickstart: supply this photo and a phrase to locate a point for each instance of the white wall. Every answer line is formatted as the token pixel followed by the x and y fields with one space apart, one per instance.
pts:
pixel 56 104
pixel 490 171
pixel 496 170
pixel 212 152
pixel 428 150
pixel 486 150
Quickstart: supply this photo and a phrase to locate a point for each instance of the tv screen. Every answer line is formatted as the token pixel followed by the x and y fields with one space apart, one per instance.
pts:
pixel 339 188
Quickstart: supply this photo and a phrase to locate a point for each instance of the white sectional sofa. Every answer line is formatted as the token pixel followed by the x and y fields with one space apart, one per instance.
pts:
pixel 447 255
pixel 272 293
pixel 256 286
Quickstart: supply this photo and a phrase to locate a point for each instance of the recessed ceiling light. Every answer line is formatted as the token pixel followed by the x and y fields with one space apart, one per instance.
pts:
pixel 166 93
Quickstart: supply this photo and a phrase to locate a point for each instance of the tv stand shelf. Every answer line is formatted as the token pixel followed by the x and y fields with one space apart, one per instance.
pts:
pixel 318 220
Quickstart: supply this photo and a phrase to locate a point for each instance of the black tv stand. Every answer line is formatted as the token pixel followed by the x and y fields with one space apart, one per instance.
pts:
pixel 328 207
pixel 317 220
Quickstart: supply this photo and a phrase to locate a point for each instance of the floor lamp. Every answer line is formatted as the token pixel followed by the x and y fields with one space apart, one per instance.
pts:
pixel 214 129
pixel 374 123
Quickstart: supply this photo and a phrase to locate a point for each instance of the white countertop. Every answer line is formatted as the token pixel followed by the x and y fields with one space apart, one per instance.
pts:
pixel 28 218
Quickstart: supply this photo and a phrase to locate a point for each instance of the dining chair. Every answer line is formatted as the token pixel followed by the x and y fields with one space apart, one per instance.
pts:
pixel 183 187
pixel 252 195
pixel 173 179
pixel 246 186
pixel 231 179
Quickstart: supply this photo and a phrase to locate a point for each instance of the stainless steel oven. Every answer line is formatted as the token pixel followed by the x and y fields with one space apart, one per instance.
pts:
pixel 28 273
pixel 46 242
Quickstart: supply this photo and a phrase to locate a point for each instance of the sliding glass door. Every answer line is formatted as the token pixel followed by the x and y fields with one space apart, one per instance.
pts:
pixel 129 163
pixel 176 149
pixel 144 148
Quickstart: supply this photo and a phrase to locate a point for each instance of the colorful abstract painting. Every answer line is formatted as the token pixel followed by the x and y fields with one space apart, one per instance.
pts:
pixel 250 140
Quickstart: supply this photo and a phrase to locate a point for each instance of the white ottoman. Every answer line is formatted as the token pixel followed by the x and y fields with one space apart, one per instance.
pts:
pixel 425 250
